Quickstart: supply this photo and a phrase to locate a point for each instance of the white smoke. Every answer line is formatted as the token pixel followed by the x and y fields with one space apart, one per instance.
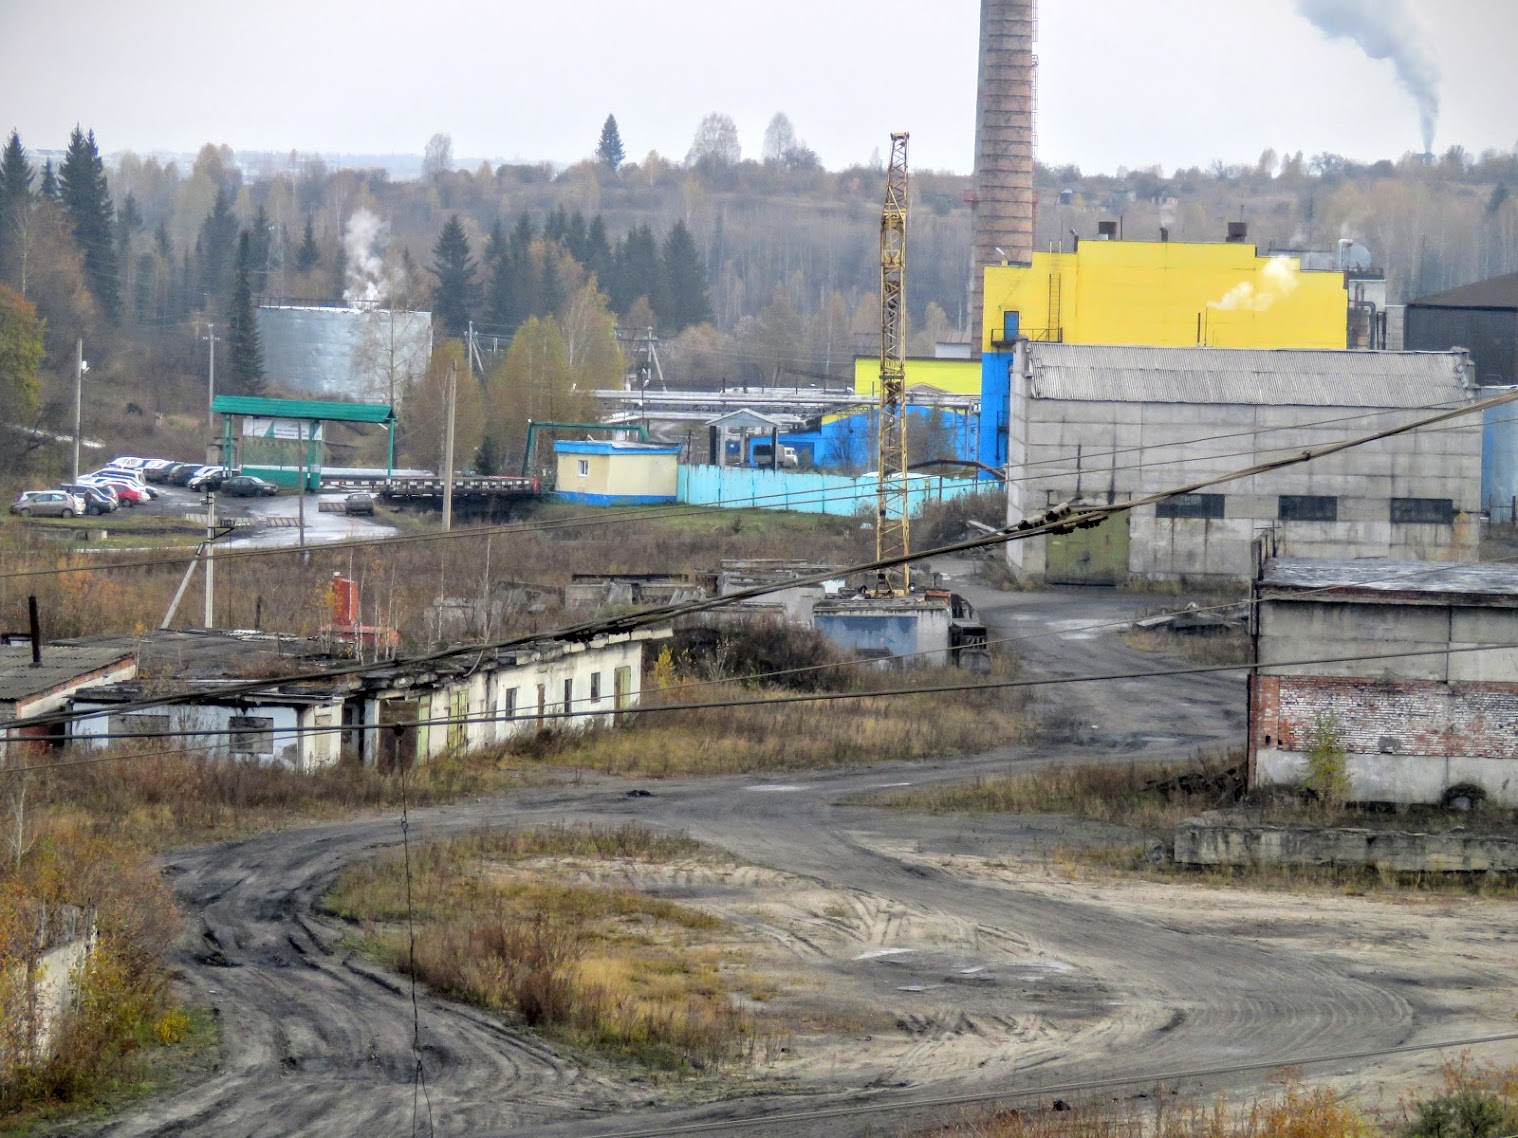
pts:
pixel 1276 280
pixel 364 242
pixel 1386 29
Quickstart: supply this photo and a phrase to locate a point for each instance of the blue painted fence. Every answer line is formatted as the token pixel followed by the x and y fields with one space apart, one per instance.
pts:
pixel 740 488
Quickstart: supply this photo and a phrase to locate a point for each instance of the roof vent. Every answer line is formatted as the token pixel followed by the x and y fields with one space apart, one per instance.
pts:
pixel 1238 231
pixel 1164 233
pixel 1106 231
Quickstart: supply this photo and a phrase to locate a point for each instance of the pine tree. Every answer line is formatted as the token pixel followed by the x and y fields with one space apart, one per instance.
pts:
pixel 308 255
pixel 216 249
pixel 598 252
pixel 637 269
pixel 16 176
pixel 260 249
pixel 681 298
pixel 610 149
pixel 454 269
pixel 87 199
pixel 244 348
pixel 49 188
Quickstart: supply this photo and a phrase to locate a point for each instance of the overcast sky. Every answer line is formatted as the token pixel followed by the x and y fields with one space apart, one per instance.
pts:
pixel 1121 82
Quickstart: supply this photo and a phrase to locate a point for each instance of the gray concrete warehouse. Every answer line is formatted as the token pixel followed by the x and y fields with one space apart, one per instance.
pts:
pixel 1105 424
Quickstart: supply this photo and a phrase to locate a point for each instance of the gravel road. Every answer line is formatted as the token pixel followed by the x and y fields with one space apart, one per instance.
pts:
pixel 317 1042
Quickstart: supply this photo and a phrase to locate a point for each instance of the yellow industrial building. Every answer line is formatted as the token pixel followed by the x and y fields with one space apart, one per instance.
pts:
pixel 1165 294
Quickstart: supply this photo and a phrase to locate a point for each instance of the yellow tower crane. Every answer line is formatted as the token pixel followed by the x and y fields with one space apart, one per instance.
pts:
pixel 891 505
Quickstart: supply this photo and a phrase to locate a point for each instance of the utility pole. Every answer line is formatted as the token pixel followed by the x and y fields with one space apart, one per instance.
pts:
pixel 78 400
pixel 300 503
pixel 210 565
pixel 453 397
pixel 211 377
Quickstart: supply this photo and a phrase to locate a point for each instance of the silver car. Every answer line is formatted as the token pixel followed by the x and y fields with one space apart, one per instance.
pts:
pixel 47 504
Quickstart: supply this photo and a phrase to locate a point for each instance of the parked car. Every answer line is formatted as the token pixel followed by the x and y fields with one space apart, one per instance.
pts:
pixel 157 469
pixel 97 499
pixel 47 504
pixel 359 504
pixel 120 474
pixel 126 492
pixel 208 478
pixel 182 472
pixel 129 462
pixel 247 486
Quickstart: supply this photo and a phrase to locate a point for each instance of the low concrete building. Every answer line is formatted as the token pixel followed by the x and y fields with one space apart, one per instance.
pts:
pixel 1103 424
pixel 908 630
pixel 390 715
pixel 616 473
pixel 1417 678
pixel 60 672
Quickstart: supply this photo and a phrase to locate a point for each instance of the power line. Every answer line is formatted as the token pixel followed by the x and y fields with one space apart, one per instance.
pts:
pixel 684 510
pixel 1061 519
pixel 766 701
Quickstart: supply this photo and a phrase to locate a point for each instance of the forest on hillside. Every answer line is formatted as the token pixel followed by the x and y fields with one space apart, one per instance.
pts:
pixel 748 269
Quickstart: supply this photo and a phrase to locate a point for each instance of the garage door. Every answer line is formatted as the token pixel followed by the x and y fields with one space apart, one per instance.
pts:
pixel 1095 556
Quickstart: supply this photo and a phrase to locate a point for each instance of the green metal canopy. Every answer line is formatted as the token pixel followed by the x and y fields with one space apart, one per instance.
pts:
pixel 310 411
pixel 317 410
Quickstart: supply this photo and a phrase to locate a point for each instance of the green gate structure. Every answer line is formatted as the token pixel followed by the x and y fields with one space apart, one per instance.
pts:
pixel 305 447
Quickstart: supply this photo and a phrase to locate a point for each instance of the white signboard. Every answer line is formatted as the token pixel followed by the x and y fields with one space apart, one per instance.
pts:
pixel 280 429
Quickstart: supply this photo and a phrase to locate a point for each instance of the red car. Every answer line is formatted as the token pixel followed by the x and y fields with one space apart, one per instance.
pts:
pixel 130 495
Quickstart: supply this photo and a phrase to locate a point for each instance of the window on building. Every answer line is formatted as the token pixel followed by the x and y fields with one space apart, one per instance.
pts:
pixel 1307 508
pixel 569 694
pixel 1423 511
pixel 583 467
pixel 595 685
pixel 251 734
pixel 1191 506
pixel 511 703
pixel 139 724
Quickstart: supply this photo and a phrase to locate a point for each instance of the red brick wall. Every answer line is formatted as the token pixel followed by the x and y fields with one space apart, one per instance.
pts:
pixel 1462 720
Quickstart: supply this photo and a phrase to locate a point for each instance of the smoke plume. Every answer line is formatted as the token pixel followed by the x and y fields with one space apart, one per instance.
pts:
pixel 363 241
pixel 1277 279
pixel 1386 29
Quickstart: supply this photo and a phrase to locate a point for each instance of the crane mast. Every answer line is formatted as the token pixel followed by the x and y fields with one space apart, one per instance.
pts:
pixel 891 506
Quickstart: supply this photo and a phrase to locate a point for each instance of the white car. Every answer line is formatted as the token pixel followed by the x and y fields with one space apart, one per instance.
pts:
pixel 128 462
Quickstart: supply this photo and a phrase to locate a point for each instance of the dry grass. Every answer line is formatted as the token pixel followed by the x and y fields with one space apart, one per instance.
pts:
pixel 1230 647
pixel 164 801
pixel 626 974
pixel 796 736
pixel 1297 1111
pixel 1151 796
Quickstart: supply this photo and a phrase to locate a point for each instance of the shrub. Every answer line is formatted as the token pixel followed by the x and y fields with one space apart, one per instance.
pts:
pixel 1468 1112
pixel 1326 776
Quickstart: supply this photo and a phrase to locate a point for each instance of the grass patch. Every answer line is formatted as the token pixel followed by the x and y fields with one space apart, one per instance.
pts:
pixel 1217 648
pixel 1151 796
pixel 631 976
pixel 795 736
pixel 165 801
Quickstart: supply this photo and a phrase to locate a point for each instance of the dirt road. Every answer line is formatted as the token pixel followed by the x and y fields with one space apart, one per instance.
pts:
pixel 318 1043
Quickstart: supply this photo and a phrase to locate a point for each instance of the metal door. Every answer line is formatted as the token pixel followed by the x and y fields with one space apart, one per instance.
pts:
pixel 1096 556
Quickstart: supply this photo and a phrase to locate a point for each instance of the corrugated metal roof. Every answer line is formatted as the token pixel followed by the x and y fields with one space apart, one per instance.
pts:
pixel 314 409
pixel 1126 373
pixel 60 664
pixel 1381 575
pixel 1494 292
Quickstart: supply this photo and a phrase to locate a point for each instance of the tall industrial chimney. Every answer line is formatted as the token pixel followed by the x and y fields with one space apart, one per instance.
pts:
pixel 1002 199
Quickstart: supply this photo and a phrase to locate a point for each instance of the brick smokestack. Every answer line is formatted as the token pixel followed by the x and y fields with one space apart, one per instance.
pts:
pixel 1002 199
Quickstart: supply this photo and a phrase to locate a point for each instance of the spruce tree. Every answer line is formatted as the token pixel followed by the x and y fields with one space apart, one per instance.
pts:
pixel 87 199
pixel 245 352
pixel 49 188
pixel 308 255
pixel 454 269
pixel 598 252
pixel 16 176
pixel 609 150
pixel 637 269
pixel 681 298
pixel 216 249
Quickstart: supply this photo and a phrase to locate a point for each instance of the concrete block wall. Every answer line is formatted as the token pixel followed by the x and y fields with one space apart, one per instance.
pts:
pixel 1106 451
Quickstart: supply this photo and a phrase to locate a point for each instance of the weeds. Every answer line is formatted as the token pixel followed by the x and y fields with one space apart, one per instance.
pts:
pixel 1152 796
pixel 1232 646
pixel 630 975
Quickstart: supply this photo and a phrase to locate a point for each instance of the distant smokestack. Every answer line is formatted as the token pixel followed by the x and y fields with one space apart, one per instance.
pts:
pixel 1002 200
